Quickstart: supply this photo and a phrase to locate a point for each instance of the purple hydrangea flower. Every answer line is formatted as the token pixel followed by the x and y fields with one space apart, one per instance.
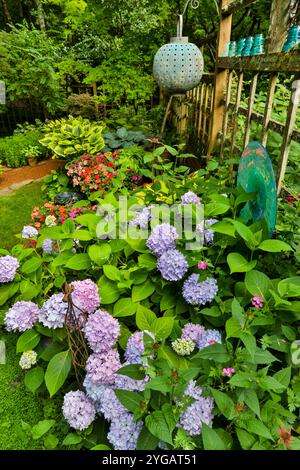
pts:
pixel 193 390
pixel 190 198
pixel 86 295
pixel 196 414
pixel 8 268
pixel 123 382
pixel 208 338
pixel 162 238
pixel 172 265
pixel 109 405
pixel 53 312
pixel 93 391
pixel 22 316
pixel 101 368
pixel 142 219
pixel 209 233
pixel 78 410
pixel 199 293
pixel 135 347
pixel 47 246
pixel 192 332
pixel 101 331
pixel 29 232
pixel 124 432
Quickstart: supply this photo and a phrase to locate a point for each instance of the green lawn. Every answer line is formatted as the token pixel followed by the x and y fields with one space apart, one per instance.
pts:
pixel 16 403
pixel 15 211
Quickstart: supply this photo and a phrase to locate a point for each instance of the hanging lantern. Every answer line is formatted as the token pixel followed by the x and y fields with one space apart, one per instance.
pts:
pixel 178 66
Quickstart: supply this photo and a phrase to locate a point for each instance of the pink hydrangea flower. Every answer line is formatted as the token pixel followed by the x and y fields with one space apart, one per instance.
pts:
pixel 258 301
pixel 228 372
pixel 202 265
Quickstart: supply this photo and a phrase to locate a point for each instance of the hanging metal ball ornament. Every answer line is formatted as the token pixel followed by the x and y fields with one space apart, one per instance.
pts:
pixel 178 66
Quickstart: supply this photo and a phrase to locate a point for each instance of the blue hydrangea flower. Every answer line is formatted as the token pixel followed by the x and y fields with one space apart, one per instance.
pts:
pixel 8 268
pixel 124 432
pixel 109 406
pixel 196 414
pixel 190 198
pixel 209 233
pixel 142 218
pixel 47 246
pixel 193 390
pixel 135 347
pixel 21 316
pixel 53 312
pixel 172 265
pixel 92 390
pixel 162 238
pixel 193 332
pixel 209 337
pixel 29 232
pixel 199 293
pixel 78 410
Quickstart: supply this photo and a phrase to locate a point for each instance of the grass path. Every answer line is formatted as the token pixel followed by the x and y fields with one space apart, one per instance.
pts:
pixel 16 403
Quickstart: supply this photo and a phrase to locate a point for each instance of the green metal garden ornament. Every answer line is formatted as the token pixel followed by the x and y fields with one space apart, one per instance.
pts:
pixel 256 175
pixel 178 66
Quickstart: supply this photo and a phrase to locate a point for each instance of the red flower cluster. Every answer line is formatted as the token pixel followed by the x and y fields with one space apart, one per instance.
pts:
pixel 93 173
pixel 51 214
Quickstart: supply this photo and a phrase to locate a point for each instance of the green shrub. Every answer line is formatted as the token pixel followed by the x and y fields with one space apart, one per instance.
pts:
pixel 12 148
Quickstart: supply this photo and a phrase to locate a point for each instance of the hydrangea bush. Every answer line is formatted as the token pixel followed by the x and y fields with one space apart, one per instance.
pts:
pixel 186 348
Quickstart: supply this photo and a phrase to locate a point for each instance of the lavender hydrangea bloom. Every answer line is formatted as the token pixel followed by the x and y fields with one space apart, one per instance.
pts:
pixel 123 382
pixel 190 198
pixel 53 312
pixel 85 295
pixel 47 246
pixel 192 332
pixel 101 368
pixel 172 265
pixel 78 410
pixel 135 347
pixel 208 338
pixel 193 390
pixel 196 414
pixel 142 219
pixel 199 293
pixel 21 316
pixel 8 268
pixel 209 233
pixel 109 405
pixel 162 238
pixel 93 391
pixel 29 232
pixel 124 432
pixel 101 331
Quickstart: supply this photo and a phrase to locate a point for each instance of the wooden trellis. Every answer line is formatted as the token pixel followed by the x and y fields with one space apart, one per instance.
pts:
pixel 215 119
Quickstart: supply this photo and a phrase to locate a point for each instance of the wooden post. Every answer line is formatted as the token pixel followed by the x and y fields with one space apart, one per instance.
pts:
pixel 269 107
pixel 280 15
pixel 220 77
pixel 250 109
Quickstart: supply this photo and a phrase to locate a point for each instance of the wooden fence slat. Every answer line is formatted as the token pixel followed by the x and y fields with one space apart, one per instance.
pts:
pixel 226 111
pixel 269 108
pixel 236 108
pixel 250 109
pixel 200 111
pixel 205 113
pixel 287 136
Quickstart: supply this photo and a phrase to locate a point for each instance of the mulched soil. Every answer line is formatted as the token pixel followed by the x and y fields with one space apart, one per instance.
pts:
pixel 12 176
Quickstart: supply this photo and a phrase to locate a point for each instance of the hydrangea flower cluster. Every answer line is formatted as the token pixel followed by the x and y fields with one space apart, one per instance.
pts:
pixel 48 246
pixel 101 368
pixel 101 331
pixel 142 219
pixel 193 390
pixel 135 347
pixel 209 233
pixel 8 268
pixel 190 198
pixel 86 295
pixel 21 316
pixel 78 410
pixel 199 293
pixel 29 232
pixel 172 265
pixel 183 347
pixel 124 432
pixel 27 360
pixel 196 414
pixel 162 239
pixel 53 312
pixel 200 336
pixel 109 405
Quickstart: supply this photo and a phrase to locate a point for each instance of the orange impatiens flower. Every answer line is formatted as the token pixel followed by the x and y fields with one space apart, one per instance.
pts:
pixel 285 437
